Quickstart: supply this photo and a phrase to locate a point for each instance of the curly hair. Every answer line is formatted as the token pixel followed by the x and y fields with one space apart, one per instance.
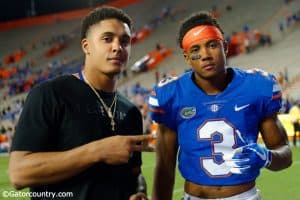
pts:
pixel 196 19
pixel 103 13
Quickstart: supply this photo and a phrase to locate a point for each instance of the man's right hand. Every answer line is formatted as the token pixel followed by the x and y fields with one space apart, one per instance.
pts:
pixel 118 149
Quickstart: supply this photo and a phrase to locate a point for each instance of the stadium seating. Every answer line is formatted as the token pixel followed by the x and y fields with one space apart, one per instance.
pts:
pixel 263 16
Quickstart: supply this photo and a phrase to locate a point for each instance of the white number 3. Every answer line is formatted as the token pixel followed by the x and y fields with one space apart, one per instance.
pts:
pixel 222 136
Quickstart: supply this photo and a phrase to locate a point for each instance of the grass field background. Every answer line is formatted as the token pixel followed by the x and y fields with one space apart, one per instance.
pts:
pixel 283 185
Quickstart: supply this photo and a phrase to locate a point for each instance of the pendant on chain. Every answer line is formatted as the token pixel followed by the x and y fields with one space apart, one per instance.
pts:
pixel 109 114
pixel 112 123
pixel 106 108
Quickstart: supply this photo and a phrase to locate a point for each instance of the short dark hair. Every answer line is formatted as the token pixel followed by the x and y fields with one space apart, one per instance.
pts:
pixel 103 13
pixel 196 19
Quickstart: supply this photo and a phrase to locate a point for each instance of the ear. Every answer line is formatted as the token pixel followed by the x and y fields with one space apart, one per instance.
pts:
pixel 85 46
pixel 129 51
pixel 225 45
pixel 187 58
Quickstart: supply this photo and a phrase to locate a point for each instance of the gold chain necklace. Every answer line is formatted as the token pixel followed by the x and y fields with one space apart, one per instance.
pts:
pixel 111 114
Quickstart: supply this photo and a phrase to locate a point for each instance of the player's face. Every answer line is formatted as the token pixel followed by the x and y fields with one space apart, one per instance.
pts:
pixel 207 58
pixel 107 46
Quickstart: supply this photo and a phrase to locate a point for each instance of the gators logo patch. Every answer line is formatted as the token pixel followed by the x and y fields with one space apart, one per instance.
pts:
pixel 188 112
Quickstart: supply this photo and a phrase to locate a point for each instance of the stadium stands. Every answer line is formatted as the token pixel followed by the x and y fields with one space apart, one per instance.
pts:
pixel 163 19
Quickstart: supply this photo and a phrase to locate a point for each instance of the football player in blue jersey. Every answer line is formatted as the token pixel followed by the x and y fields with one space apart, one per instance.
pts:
pixel 211 117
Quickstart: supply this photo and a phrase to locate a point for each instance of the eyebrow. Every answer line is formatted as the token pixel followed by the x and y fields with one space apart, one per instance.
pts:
pixel 122 37
pixel 206 43
pixel 112 33
pixel 106 33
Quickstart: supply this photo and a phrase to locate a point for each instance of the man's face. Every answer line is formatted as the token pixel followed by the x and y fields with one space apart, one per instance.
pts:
pixel 107 46
pixel 207 57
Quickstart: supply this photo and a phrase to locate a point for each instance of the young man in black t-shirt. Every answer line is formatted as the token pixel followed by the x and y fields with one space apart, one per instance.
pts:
pixel 76 133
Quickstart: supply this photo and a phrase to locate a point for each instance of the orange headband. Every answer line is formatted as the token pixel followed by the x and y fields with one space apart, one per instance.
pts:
pixel 198 33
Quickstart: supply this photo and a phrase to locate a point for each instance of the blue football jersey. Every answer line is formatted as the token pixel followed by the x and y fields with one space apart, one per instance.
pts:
pixel 211 126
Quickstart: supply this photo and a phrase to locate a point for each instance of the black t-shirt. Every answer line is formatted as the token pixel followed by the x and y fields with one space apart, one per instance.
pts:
pixel 64 113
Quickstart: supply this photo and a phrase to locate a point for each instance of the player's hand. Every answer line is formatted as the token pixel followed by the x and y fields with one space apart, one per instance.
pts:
pixel 138 196
pixel 118 149
pixel 247 158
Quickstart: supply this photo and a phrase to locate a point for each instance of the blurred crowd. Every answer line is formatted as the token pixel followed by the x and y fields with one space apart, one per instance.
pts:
pixel 20 70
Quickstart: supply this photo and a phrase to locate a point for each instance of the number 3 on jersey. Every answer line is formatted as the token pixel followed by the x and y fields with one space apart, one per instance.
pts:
pixel 222 136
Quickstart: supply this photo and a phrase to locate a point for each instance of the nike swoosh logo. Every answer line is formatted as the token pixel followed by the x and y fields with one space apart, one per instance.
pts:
pixel 238 108
pixel 198 32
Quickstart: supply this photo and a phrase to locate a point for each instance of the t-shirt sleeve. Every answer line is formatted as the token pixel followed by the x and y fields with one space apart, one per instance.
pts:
pixel 36 122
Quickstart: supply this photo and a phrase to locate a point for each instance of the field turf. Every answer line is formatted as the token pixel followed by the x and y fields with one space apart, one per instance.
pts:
pixel 273 185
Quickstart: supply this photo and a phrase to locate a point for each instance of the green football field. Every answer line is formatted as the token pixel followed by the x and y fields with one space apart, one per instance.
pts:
pixel 273 185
